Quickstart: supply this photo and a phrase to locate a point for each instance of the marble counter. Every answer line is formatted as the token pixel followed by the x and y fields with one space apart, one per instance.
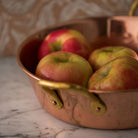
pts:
pixel 21 115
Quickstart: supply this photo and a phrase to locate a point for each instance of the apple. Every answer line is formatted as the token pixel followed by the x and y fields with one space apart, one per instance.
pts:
pixel 118 74
pixel 68 40
pixel 101 56
pixel 63 66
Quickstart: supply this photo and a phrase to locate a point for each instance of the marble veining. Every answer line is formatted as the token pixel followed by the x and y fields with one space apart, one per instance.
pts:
pixel 21 115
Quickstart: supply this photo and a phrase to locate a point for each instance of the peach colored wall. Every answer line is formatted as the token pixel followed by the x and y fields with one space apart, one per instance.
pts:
pixel 20 18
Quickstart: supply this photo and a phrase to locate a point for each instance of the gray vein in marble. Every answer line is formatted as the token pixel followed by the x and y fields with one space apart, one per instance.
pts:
pixel 16 112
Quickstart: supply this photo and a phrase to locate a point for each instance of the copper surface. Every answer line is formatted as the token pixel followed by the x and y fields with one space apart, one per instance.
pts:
pixel 121 106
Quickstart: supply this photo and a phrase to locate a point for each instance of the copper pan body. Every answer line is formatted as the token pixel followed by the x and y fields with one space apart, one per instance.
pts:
pixel 121 106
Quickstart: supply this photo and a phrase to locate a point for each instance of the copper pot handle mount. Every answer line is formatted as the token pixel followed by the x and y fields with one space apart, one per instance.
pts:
pixel 96 105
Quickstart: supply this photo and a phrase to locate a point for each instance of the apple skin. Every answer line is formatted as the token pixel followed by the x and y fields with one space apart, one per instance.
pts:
pixel 101 56
pixel 64 67
pixel 118 74
pixel 68 40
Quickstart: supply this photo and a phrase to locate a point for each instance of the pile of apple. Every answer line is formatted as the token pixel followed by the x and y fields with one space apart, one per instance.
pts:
pixel 66 56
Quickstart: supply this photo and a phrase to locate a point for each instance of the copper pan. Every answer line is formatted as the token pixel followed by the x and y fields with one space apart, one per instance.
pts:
pixel 75 104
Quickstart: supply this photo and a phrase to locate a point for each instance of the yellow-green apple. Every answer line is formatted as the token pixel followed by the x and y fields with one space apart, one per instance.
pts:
pixel 101 56
pixel 64 67
pixel 118 74
pixel 68 40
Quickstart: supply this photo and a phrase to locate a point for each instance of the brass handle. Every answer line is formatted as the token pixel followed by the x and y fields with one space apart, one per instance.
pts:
pixel 133 8
pixel 97 106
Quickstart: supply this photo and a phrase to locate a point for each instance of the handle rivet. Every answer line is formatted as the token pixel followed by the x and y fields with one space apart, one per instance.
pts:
pixel 98 109
pixel 54 102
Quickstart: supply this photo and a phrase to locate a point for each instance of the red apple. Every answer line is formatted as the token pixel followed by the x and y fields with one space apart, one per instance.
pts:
pixel 118 74
pixel 64 40
pixel 101 56
pixel 64 67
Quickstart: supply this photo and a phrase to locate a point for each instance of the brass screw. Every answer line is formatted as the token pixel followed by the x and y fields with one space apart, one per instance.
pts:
pixel 98 109
pixel 54 102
